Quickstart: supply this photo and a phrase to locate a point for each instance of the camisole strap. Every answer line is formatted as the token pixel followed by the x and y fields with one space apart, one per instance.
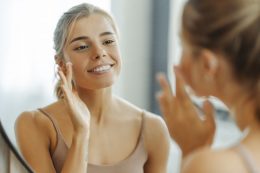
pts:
pixel 248 160
pixel 142 125
pixel 54 122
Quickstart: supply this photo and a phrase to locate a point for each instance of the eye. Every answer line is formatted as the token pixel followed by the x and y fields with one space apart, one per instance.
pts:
pixel 82 47
pixel 107 42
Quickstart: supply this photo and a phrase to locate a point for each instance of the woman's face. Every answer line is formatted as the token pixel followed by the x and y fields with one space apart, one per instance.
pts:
pixel 92 48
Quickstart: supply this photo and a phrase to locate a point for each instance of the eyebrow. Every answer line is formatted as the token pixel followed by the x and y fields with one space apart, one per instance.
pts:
pixel 79 38
pixel 106 33
pixel 85 37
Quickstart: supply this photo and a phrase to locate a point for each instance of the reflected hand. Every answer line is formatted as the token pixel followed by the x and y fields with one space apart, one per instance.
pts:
pixel 79 113
pixel 185 124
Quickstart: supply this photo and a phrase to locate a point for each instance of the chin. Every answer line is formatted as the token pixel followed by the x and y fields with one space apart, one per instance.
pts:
pixel 99 84
pixel 104 85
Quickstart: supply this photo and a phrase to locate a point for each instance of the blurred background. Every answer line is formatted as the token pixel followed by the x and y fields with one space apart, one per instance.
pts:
pixel 149 44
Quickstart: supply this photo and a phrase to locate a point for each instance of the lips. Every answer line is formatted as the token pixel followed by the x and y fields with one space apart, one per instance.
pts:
pixel 101 68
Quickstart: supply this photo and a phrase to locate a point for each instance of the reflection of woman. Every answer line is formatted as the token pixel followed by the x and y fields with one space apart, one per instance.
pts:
pixel 221 57
pixel 88 129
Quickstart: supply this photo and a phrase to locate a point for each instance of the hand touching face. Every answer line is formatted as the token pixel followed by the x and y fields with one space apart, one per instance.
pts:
pixel 185 124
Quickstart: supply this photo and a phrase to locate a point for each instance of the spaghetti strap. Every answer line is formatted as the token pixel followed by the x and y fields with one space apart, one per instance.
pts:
pixel 142 125
pixel 54 122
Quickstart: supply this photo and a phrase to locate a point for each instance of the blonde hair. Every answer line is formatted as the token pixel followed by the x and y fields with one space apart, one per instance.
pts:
pixel 230 27
pixel 65 24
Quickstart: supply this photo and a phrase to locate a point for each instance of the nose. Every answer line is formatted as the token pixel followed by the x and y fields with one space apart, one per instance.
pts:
pixel 98 52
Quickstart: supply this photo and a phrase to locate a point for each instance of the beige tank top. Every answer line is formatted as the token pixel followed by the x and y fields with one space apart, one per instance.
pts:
pixel 134 163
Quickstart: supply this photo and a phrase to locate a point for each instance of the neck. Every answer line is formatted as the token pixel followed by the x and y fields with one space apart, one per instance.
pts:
pixel 98 101
pixel 241 105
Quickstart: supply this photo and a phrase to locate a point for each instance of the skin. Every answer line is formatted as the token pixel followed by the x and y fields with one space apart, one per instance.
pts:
pixel 90 115
pixel 206 74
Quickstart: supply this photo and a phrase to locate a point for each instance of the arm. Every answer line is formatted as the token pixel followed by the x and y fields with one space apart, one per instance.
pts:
pixel 33 134
pixel 34 141
pixel 157 143
pixel 77 158
pixel 37 128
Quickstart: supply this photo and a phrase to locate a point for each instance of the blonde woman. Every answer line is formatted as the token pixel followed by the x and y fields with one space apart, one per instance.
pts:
pixel 88 129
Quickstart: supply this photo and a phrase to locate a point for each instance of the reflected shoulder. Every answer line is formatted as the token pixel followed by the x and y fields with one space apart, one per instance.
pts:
pixel 32 122
pixel 156 132
pixel 208 160
pixel 155 123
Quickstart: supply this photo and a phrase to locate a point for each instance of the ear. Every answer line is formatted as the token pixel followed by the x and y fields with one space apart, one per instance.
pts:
pixel 209 63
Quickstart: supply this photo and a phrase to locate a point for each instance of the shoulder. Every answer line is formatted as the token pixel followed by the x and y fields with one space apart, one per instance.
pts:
pixel 155 125
pixel 156 133
pixel 30 120
pixel 155 130
pixel 35 118
pixel 34 124
pixel 208 160
pixel 156 142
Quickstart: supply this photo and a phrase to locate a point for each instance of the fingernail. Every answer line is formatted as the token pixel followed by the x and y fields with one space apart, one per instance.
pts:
pixel 69 63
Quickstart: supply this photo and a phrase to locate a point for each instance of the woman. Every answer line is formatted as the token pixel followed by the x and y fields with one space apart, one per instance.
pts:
pixel 89 129
pixel 221 58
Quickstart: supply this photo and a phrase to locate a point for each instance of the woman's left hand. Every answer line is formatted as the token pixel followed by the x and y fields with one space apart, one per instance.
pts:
pixel 185 125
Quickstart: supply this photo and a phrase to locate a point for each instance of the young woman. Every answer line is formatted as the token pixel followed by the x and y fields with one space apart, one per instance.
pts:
pixel 89 129
pixel 221 58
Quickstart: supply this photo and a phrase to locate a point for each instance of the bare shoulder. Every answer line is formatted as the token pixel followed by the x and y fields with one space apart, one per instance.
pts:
pixel 30 120
pixel 34 124
pixel 154 124
pixel 208 160
pixel 157 143
pixel 155 129
pixel 34 133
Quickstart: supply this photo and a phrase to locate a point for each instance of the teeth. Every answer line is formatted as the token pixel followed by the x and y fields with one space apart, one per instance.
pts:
pixel 102 68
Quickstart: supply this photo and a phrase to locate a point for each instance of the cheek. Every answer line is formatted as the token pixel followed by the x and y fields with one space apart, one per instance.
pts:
pixel 190 73
pixel 116 56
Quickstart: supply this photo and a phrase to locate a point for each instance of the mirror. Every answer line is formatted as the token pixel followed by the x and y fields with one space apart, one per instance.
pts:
pixel 11 161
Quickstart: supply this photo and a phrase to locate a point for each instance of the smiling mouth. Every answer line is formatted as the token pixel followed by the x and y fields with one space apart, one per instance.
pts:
pixel 101 68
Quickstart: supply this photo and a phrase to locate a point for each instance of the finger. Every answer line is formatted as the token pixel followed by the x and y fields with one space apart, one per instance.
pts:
pixel 161 78
pixel 181 93
pixel 164 105
pixel 166 89
pixel 65 93
pixel 69 74
pixel 62 77
pixel 209 115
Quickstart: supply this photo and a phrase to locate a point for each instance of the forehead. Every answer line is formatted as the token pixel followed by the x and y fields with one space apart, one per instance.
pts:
pixel 90 26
